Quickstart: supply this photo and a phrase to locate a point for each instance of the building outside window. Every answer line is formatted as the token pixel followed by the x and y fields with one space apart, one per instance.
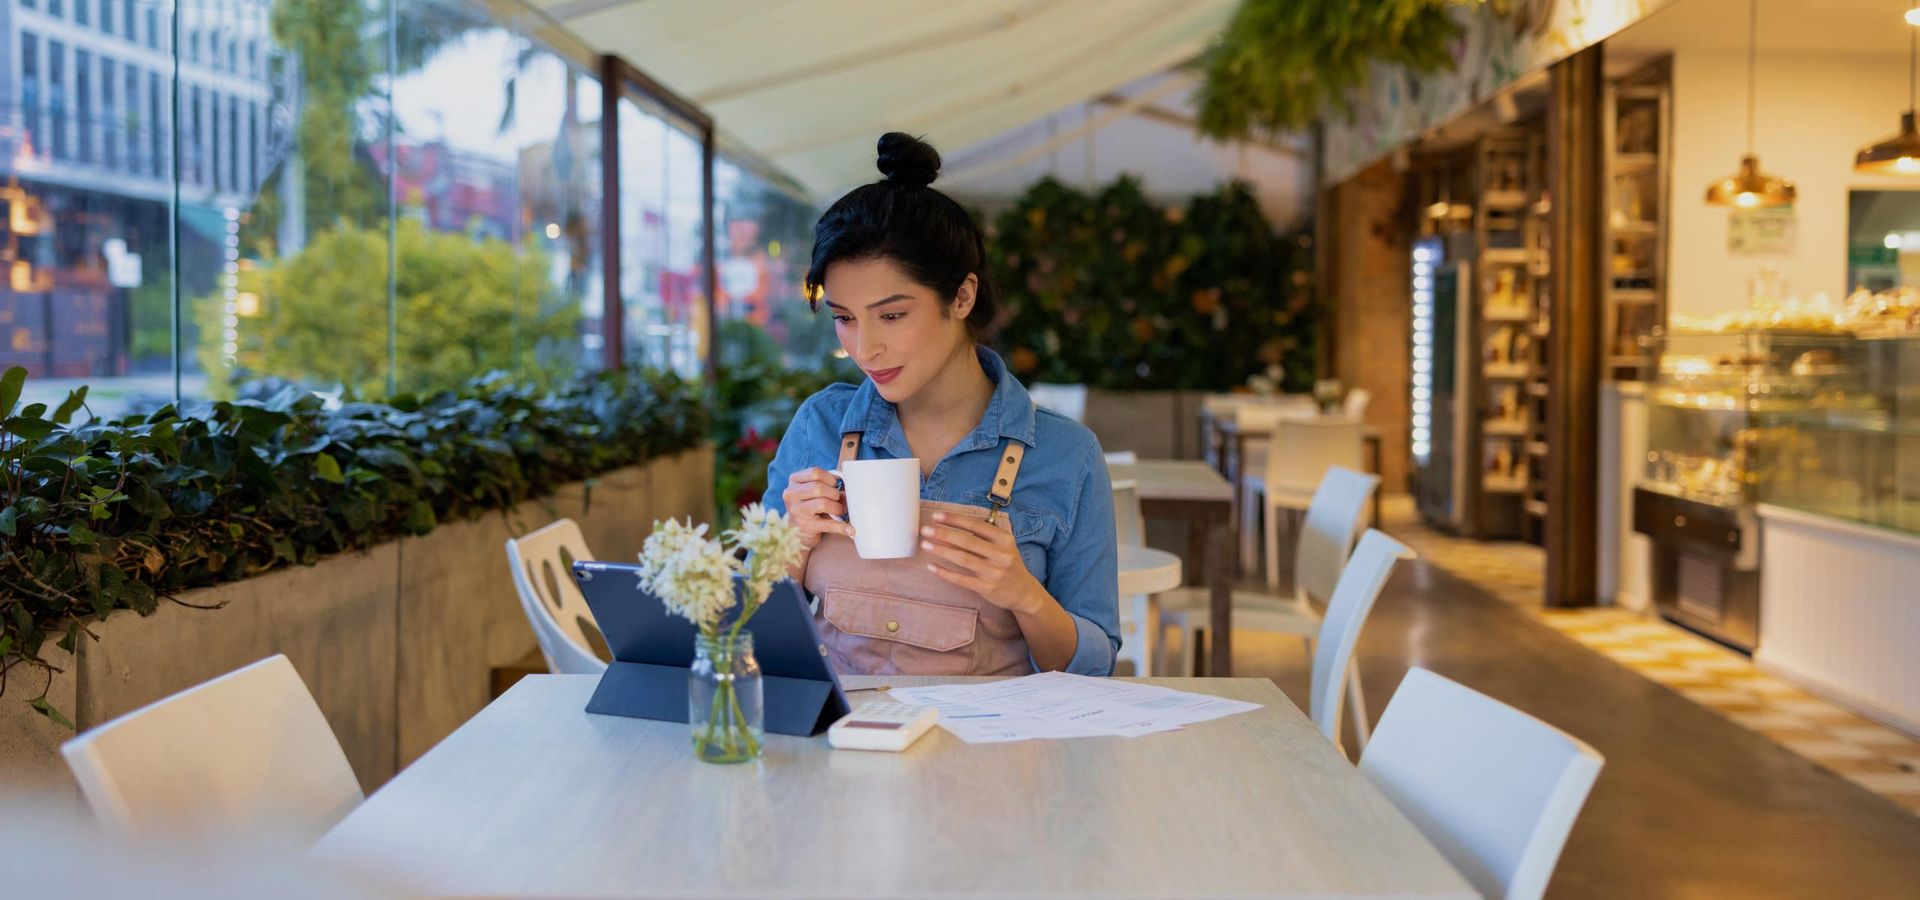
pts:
pixel 110 124
pixel 57 96
pixel 83 99
pixel 30 93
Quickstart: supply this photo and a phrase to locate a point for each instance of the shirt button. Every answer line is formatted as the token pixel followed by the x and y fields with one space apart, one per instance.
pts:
pixel 893 626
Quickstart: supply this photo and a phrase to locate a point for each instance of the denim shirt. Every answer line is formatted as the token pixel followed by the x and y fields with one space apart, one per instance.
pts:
pixel 1062 504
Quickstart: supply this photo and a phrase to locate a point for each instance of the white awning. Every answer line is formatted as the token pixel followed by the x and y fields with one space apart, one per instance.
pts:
pixel 811 84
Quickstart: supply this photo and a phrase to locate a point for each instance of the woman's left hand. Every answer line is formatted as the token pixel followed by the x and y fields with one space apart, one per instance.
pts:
pixel 983 559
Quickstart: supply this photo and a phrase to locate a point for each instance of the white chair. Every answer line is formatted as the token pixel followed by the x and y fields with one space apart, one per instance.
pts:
pixel 1334 675
pixel 248 750
pixel 1139 614
pixel 1122 458
pixel 1333 518
pixel 1069 400
pixel 1356 403
pixel 542 564
pixel 1301 450
pixel 1495 789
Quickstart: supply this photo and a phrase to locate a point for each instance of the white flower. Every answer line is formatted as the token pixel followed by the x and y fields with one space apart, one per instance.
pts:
pixel 773 547
pixel 690 573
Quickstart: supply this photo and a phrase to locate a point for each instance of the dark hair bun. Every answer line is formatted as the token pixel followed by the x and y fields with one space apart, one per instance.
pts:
pixel 907 160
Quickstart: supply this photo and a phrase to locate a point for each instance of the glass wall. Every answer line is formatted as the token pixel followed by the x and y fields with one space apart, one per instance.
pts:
pixel 764 243
pixel 365 196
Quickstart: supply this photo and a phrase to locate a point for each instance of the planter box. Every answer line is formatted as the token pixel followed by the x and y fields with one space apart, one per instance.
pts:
pixel 1154 424
pixel 397 643
pixel 333 620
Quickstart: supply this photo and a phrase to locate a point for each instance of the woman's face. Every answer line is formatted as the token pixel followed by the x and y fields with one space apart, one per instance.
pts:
pixel 895 328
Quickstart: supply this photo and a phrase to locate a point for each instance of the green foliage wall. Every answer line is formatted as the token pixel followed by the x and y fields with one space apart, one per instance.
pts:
pixel 464 306
pixel 1115 291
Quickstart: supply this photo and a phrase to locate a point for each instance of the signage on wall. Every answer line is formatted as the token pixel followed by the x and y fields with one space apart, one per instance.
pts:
pixel 1761 232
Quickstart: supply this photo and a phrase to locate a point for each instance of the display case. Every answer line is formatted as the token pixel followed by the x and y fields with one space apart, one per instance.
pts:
pixel 1804 419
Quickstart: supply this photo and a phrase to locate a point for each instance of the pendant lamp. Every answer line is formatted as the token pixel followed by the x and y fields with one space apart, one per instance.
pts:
pixel 1750 188
pixel 1900 154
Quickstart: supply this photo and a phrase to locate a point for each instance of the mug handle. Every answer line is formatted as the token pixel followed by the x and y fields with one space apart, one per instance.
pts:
pixel 840 484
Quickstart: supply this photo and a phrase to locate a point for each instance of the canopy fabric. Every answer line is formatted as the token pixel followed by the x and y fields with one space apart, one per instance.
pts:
pixel 811 84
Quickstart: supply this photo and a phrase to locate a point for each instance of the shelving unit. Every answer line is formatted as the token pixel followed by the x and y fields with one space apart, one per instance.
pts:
pixel 1540 324
pixel 1509 232
pixel 1638 134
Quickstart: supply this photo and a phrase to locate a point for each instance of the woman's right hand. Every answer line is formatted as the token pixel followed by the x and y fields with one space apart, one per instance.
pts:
pixel 812 498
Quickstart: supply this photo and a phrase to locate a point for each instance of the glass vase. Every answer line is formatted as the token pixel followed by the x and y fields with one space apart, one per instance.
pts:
pixel 724 711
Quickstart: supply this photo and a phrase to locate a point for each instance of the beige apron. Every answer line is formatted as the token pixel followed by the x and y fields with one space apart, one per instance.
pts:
pixel 893 617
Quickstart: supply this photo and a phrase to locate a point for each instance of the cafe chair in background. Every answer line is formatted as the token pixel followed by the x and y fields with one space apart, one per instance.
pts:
pixel 1335 677
pixel 1302 449
pixel 248 750
pixel 1140 622
pixel 542 564
pixel 1495 789
pixel 1320 554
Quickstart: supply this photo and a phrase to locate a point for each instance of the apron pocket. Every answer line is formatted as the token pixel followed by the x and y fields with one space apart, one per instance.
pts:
pixel 922 638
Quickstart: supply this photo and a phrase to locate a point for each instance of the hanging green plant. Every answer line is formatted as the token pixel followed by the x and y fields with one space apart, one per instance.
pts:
pixel 1282 64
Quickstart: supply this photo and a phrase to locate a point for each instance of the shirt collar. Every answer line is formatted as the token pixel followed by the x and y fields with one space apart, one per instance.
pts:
pixel 1009 413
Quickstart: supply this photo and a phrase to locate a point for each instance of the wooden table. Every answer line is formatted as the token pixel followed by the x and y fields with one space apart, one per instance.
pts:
pixel 534 797
pixel 1193 491
pixel 1230 436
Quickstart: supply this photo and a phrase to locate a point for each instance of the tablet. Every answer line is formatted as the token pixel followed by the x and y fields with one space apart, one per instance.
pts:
pixel 652 648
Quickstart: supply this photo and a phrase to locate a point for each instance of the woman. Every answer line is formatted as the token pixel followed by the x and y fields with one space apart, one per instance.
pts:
pixel 1016 570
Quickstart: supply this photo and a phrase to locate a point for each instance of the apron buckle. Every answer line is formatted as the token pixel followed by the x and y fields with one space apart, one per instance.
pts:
pixel 999 504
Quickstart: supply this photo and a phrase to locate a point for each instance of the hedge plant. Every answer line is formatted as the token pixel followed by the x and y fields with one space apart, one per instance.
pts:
pixel 1113 290
pixel 97 516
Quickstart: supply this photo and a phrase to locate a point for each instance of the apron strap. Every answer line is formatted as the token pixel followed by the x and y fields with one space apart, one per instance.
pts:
pixel 1001 491
pixel 849 447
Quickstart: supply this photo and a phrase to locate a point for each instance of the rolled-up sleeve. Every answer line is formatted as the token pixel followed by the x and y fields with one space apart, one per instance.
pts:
pixel 799 448
pixel 1083 572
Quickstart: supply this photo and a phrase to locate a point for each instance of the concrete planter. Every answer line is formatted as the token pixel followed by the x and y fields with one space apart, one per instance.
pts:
pixel 397 643
pixel 1154 424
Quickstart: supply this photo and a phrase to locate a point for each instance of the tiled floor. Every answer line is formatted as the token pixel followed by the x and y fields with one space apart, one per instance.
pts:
pixel 1870 755
pixel 1692 803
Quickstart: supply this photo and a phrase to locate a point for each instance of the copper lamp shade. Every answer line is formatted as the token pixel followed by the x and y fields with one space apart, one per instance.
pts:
pixel 1750 188
pixel 1897 155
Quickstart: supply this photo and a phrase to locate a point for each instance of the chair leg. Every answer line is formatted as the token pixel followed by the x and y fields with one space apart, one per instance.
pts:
pixel 1273 545
pixel 1357 699
pixel 1248 526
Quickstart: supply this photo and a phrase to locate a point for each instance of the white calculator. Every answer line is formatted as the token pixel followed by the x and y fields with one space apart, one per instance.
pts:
pixel 882 726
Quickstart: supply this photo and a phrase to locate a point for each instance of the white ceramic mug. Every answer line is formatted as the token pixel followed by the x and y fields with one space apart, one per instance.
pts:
pixel 883 504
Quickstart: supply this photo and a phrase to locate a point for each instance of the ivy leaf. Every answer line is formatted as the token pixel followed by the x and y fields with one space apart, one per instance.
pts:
pixel 41 706
pixel 75 399
pixel 11 384
pixel 31 429
pixel 420 519
pixel 328 469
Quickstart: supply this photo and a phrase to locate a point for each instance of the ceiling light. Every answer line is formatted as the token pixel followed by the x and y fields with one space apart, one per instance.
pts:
pixel 1900 154
pixel 1750 188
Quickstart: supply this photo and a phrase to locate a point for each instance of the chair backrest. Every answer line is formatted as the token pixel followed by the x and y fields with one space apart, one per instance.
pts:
pixel 1128 524
pixel 1263 414
pixel 542 564
pixel 1356 402
pixel 248 750
pixel 1122 458
pixel 1495 789
pixel 1334 516
pixel 1069 400
pixel 1360 583
pixel 1303 448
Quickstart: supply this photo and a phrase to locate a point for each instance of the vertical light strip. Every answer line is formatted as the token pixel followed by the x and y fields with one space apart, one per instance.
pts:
pixel 1426 259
